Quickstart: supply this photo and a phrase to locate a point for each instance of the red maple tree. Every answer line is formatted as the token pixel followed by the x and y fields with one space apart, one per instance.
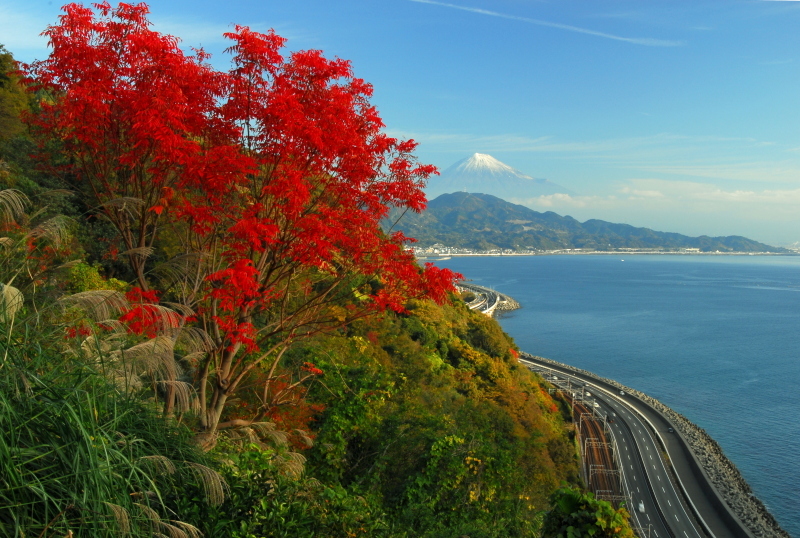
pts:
pixel 273 178
pixel 129 110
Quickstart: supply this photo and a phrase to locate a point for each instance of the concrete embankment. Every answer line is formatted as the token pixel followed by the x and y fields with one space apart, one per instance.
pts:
pixel 709 464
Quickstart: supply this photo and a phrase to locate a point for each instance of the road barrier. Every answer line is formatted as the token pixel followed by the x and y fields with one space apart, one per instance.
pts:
pixel 719 479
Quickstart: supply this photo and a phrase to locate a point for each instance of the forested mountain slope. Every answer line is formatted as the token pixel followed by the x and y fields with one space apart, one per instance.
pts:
pixel 482 221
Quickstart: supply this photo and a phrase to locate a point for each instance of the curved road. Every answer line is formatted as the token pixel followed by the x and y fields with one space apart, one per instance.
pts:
pixel 644 474
pixel 486 299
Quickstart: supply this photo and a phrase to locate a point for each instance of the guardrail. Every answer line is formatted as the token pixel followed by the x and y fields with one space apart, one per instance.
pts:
pixel 726 514
pixel 607 429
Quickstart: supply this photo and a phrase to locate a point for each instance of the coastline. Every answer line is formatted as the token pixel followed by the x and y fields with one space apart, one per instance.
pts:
pixel 722 473
pixel 566 252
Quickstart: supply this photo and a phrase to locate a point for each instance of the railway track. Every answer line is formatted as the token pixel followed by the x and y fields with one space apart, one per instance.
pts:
pixel 612 430
pixel 600 469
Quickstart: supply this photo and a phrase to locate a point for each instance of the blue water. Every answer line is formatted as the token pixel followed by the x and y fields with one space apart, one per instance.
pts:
pixel 714 337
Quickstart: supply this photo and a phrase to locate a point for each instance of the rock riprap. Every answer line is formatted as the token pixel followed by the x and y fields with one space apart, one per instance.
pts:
pixel 723 474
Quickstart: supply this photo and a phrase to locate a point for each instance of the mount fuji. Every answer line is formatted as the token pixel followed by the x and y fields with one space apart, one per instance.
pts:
pixel 484 174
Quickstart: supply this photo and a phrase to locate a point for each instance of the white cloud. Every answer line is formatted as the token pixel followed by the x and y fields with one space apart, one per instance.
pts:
pixel 756 171
pixel 687 207
pixel 459 141
pixel 20 32
pixel 21 27
pixel 565 204
pixel 633 40
pixel 692 192
pixel 640 193
pixel 674 156
pixel 562 201
pixel 547 143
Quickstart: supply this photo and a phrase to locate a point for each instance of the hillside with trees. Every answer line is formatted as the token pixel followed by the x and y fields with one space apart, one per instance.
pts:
pixel 204 330
pixel 485 222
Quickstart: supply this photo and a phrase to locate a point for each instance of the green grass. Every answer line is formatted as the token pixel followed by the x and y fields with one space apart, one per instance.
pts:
pixel 77 454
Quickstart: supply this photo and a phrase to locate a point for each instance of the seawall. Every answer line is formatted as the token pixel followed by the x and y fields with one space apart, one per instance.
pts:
pixel 708 460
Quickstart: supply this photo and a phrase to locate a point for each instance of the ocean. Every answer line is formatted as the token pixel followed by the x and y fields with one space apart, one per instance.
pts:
pixel 717 338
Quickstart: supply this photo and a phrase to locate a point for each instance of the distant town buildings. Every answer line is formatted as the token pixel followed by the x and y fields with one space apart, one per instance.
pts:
pixel 438 250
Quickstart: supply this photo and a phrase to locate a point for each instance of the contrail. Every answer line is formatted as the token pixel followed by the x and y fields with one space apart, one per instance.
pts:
pixel 635 40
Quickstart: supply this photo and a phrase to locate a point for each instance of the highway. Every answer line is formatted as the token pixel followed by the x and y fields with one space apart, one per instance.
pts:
pixel 644 475
pixel 648 480
pixel 487 300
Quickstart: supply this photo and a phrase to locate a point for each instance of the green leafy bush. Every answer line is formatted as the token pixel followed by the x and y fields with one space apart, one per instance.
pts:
pixel 576 514
pixel 85 277
pixel 265 501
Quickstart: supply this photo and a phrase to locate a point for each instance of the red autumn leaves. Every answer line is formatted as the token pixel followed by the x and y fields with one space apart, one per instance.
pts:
pixel 272 177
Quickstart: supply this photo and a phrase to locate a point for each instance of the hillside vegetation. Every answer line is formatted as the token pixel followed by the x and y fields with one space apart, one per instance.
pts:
pixel 421 424
pixel 414 424
pixel 204 331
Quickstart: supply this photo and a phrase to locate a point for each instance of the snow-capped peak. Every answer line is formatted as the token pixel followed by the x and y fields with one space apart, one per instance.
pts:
pixel 482 173
pixel 481 162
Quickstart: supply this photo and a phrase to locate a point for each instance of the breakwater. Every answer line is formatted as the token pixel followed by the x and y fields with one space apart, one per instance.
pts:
pixel 507 304
pixel 722 474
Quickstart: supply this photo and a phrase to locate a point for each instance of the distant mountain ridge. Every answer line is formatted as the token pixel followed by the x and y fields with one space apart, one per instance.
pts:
pixel 485 222
pixel 485 174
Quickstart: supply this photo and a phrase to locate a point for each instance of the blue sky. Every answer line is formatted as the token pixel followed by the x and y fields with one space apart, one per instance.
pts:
pixel 677 115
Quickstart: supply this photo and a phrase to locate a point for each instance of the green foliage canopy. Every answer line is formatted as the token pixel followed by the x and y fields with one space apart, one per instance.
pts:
pixel 576 514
